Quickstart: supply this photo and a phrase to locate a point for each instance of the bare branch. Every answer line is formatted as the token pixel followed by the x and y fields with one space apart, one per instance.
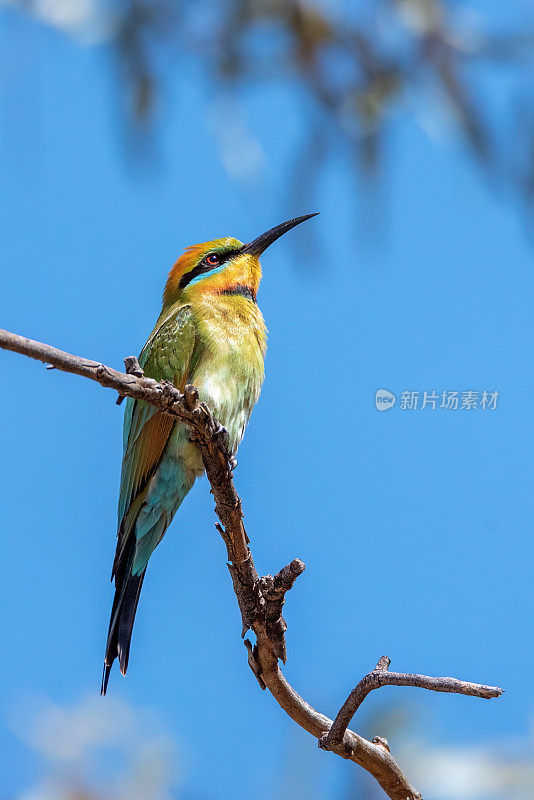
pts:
pixel 131 366
pixel 274 591
pixel 260 600
pixel 381 677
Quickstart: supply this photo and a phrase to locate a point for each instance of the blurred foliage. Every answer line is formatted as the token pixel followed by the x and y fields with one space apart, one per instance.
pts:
pixel 95 751
pixel 116 751
pixel 502 769
pixel 363 65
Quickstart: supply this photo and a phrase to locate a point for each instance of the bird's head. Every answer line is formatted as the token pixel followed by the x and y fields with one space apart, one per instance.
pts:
pixel 222 264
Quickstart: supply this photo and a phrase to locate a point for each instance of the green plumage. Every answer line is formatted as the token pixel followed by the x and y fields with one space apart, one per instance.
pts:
pixel 215 342
pixel 210 333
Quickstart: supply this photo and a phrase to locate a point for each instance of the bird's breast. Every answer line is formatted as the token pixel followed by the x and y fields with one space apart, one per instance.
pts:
pixel 229 370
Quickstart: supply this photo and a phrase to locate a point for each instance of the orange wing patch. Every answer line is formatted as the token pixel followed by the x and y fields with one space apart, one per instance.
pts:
pixel 150 445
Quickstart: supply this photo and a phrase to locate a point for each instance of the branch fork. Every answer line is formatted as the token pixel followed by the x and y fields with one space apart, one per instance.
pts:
pixel 260 600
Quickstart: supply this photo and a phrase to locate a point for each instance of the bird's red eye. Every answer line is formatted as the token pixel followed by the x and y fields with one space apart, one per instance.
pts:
pixel 212 259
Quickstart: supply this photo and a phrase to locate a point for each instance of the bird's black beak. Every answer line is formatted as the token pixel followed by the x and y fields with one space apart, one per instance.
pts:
pixel 261 243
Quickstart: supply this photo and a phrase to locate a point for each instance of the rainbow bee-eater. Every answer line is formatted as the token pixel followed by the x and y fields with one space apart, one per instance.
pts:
pixel 210 333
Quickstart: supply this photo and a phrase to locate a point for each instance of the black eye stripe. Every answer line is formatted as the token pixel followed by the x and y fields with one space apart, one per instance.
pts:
pixel 205 266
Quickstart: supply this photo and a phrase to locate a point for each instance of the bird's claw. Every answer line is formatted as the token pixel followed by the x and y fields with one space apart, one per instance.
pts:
pixel 220 430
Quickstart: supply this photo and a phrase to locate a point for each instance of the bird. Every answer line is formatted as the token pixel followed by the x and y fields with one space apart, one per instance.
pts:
pixel 210 333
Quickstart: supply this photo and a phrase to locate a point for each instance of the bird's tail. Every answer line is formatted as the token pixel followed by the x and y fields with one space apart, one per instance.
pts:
pixel 127 591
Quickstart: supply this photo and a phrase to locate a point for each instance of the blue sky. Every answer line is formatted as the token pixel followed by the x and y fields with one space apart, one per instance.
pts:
pixel 415 526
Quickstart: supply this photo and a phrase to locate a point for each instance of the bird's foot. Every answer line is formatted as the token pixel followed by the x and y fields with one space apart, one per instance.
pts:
pixel 220 433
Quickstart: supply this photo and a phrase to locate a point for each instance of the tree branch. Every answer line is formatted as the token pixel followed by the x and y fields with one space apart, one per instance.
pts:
pixel 260 600
pixel 380 676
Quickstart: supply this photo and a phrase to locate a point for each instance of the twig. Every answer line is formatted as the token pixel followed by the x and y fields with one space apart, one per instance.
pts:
pixel 380 676
pixel 274 591
pixel 260 600
pixel 131 367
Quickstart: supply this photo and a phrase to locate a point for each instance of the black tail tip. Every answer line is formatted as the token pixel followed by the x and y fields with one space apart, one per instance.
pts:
pixel 105 679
